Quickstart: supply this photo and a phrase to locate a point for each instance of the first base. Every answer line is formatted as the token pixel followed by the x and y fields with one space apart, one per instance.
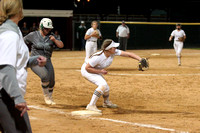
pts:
pixel 86 113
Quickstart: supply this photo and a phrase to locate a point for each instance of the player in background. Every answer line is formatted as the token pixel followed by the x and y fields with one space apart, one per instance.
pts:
pixel 179 37
pixel 94 69
pixel 80 34
pixel 123 34
pixel 91 37
pixel 42 44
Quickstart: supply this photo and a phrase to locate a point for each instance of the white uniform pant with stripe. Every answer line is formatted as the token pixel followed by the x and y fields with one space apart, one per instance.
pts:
pixel 96 79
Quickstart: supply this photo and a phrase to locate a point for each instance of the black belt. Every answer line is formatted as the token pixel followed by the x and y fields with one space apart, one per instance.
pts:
pixel 91 41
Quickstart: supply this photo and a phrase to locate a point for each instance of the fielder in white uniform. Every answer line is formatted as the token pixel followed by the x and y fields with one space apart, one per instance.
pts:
pixel 91 37
pixel 94 69
pixel 179 37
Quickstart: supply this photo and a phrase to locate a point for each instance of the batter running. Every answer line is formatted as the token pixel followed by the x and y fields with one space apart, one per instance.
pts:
pixel 42 44
pixel 94 69
pixel 179 37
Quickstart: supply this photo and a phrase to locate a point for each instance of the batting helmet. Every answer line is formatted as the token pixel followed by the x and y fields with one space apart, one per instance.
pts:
pixel 46 23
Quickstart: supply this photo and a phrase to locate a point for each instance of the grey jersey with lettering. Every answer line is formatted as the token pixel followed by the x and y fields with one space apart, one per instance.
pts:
pixel 39 45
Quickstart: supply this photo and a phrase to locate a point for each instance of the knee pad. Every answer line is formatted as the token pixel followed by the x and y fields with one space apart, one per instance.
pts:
pixel 51 84
pixel 45 84
pixel 107 89
pixel 103 88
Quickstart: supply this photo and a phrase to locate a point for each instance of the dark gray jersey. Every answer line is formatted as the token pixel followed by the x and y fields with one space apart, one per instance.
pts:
pixel 39 45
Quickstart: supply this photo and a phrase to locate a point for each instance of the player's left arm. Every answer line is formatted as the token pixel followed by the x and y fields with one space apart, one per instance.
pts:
pixel 184 35
pixel 131 55
pixel 170 38
pixel 128 33
pixel 57 42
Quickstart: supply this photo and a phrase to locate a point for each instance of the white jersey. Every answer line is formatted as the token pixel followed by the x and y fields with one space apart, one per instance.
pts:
pixel 90 31
pixel 101 61
pixel 123 31
pixel 14 52
pixel 177 34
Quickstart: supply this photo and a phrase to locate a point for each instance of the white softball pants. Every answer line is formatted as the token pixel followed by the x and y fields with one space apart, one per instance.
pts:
pixel 178 46
pixel 96 79
pixel 90 48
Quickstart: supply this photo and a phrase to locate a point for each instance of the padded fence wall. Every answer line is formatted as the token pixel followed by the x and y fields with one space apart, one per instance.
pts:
pixel 146 35
pixel 149 35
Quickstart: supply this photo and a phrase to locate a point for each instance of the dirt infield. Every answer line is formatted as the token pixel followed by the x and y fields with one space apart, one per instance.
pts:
pixel 166 98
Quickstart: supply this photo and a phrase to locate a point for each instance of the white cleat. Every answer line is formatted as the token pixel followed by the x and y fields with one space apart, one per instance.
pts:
pixel 47 100
pixel 110 105
pixel 179 64
pixel 52 102
pixel 93 108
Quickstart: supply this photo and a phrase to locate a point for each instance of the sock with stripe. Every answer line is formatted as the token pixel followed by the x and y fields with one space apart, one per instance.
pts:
pixel 96 95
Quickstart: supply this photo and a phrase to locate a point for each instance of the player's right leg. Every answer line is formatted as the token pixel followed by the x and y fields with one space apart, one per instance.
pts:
pixel 176 48
pixel 121 42
pixel 43 74
pixel 125 43
pixel 51 74
pixel 88 50
pixel 180 47
pixel 102 87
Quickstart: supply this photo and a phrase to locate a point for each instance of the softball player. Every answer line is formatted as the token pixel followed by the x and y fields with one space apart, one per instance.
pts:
pixel 91 37
pixel 179 37
pixel 42 44
pixel 94 69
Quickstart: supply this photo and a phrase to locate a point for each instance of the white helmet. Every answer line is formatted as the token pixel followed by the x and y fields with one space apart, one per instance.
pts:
pixel 46 23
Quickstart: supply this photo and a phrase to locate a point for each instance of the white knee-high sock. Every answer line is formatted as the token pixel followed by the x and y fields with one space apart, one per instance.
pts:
pixel 50 92
pixel 179 60
pixel 96 95
pixel 45 88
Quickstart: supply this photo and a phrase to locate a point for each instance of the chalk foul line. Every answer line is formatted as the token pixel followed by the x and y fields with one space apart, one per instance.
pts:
pixel 110 120
pixel 126 74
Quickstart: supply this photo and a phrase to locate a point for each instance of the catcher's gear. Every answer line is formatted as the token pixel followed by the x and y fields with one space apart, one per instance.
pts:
pixel 182 39
pixel 143 64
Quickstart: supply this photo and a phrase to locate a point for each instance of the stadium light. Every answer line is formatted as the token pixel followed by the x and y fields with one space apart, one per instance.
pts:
pixel 78 0
pixel 88 0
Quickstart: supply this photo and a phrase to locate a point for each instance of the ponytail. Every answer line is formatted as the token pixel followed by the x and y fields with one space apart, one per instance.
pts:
pixel 105 44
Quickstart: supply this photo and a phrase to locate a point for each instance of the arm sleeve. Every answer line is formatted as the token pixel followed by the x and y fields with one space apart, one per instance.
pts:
pixel 28 38
pixel 118 52
pixel 88 32
pixel 93 61
pixel 8 48
pixel 117 29
pixel 32 61
pixel 172 34
pixel 10 84
pixel 184 33
pixel 128 31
